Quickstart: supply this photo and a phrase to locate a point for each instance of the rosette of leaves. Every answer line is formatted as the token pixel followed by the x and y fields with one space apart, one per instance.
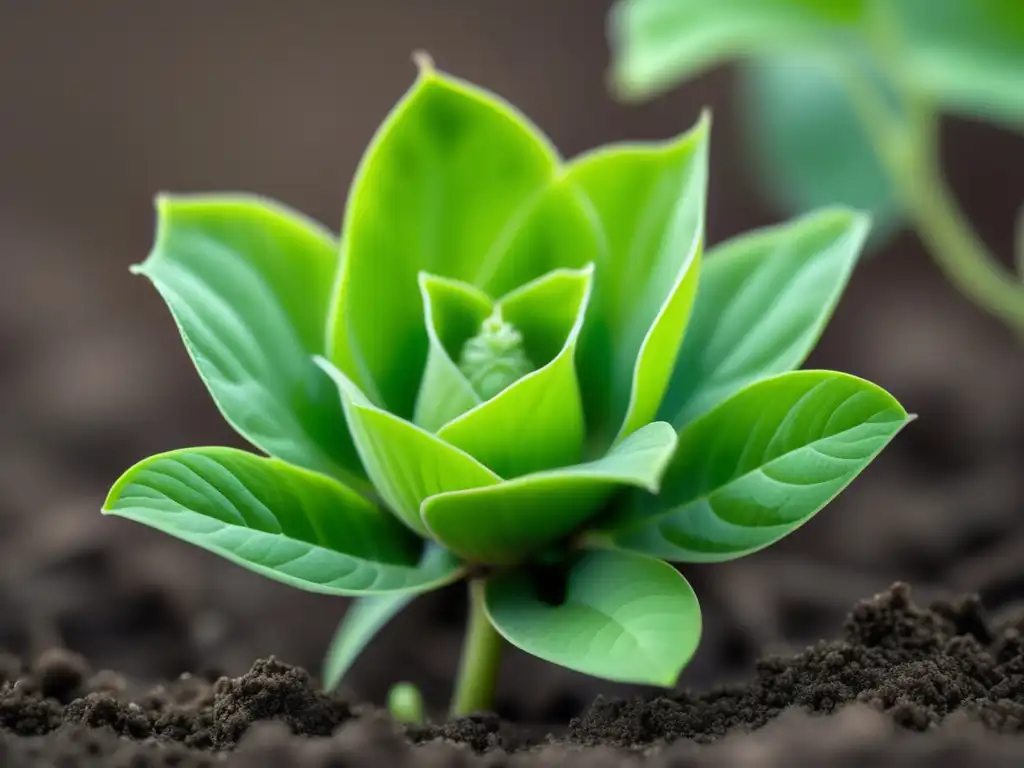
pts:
pixel 514 370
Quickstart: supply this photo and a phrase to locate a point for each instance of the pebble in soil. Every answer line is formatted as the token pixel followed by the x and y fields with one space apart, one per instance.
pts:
pixel 898 670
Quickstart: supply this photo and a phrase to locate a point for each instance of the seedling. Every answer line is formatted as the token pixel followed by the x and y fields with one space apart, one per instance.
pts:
pixel 513 370
pixel 840 102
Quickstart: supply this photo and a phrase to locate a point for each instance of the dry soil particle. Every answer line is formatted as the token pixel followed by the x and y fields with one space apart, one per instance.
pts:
pixel 905 685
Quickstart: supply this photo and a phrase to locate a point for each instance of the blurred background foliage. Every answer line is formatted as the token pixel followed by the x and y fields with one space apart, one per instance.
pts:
pixel 840 102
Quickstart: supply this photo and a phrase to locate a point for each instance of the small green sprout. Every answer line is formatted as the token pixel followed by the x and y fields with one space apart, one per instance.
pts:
pixel 510 369
pixel 405 703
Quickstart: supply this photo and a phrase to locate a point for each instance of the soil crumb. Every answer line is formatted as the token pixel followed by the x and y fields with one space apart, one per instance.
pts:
pixel 906 685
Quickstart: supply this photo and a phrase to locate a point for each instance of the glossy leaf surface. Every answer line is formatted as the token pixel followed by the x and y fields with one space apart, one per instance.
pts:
pixel 282 522
pixel 764 300
pixel 650 200
pixel 364 618
pixel 406 463
pixel 625 618
pixel 447 170
pixel 657 43
pixel 807 142
pixel 501 524
pixel 453 312
pixel 760 465
pixel 248 283
pixel 537 422
pixel 556 230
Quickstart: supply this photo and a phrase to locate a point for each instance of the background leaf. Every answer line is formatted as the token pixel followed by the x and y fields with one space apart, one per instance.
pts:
pixel 626 618
pixel 537 422
pixel 501 524
pixel 968 55
pixel 453 312
pixel 764 300
pixel 650 200
pixel 288 524
pixel 365 617
pixel 657 43
pixel 248 283
pixel 807 142
pixel 406 463
pixel 445 173
pixel 760 465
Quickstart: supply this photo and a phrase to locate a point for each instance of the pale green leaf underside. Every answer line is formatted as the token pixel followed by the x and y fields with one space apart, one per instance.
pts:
pixel 288 524
pixel 537 422
pixel 501 524
pixel 760 465
pixel 365 617
pixel 453 312
pixel 657 43
pixel 248 284
pixel 764 300
pixel 650 200
pixel 448 169
pixel 808 143
pixel 626 618
pixel 406 463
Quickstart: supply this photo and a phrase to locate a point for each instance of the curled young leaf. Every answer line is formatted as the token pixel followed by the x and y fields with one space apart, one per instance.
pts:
pixel 764 300
pixel 625 617
pixel 288 524
pixel 650 200
pixel 447 170
pixel 537 422
pixel 248 284
pixel 760 465
pixel 501 524
pixel 453 312
pixel 406 463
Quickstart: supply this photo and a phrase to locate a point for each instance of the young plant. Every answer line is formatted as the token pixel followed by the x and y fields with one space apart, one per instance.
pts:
pixel 506 373
pixel 840 102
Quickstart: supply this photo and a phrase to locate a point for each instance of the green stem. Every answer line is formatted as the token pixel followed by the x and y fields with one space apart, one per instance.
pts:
pixel 907 145
pixel 481 658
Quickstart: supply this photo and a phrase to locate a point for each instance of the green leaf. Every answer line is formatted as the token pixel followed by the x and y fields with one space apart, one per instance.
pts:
pixel 968 56
pixel 406 463
pixel 447 170
pixel 453 313
pixel 537 422
pixel 556 230
pixel 764 300
pixel 501 524
pixel 288 524
pixel 248 284
pixel 809 145
pixel 1019 243
pixel 650 200
pixel 657 43
pixel 760 465
pixel 626 618
pixel 365 617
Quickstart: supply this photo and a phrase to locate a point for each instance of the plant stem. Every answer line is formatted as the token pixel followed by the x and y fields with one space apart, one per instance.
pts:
pixel 907 145
pixel 481 658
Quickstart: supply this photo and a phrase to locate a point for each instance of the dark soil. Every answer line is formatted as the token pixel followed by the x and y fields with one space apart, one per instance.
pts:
pixel 898 670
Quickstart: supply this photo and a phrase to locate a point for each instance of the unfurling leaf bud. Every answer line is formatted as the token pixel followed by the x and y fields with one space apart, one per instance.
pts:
pixel 494 358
